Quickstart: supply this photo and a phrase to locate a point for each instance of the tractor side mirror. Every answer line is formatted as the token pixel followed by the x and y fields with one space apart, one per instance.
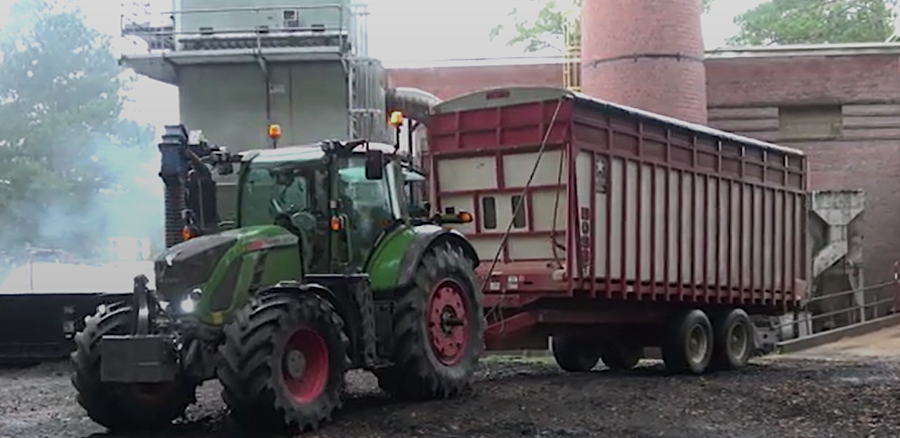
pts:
pixel 374 165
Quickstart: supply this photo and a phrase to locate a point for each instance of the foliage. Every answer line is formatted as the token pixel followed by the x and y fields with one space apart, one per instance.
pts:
pixel 547 29
pixel 60 103
pixel 816 22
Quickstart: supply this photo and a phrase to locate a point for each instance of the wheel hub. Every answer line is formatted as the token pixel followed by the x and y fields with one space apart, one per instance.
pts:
pixel 697 344
pixel 447 325
pixel 737 341
pixel 305 365
pixel 295 363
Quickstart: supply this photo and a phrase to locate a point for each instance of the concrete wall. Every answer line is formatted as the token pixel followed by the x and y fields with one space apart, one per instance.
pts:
pixel 745 95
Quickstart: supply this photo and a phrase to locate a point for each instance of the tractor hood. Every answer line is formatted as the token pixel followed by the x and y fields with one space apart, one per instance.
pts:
pixel 189 264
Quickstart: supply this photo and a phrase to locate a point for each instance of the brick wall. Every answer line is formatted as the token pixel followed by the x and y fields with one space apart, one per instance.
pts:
pixel 744 95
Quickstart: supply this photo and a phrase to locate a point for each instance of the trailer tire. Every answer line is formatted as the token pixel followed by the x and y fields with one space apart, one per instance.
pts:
pixel 117 406
pixel 438 329
pixel 575 354
pixel 283 362
pixel 621 356
pixel 733 339
pixel 688 347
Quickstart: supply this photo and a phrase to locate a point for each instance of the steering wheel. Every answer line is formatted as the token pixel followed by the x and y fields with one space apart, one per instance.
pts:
pixel 305 223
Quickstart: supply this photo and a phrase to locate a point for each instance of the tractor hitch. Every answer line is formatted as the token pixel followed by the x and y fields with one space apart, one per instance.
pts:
pixel 140 357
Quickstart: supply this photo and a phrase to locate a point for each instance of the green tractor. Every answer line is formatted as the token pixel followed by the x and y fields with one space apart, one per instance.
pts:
pixel 325 270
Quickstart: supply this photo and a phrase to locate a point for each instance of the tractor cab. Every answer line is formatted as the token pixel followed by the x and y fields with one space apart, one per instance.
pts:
pixel 338 197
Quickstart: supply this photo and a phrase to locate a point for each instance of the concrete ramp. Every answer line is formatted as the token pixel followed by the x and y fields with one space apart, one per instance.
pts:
pixel 882 344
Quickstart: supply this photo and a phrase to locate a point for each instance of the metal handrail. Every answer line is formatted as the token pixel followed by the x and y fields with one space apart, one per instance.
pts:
pixel 130 26
pixel 850 291
pixel 810 318
pixel 835 312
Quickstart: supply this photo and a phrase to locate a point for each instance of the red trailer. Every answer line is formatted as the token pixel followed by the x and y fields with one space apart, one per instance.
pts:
pixel 635 230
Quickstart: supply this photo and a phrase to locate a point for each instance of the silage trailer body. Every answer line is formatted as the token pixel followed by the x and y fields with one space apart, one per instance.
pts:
pixel 629 218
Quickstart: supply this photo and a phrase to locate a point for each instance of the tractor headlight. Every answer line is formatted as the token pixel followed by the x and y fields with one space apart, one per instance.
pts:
pixel 190 301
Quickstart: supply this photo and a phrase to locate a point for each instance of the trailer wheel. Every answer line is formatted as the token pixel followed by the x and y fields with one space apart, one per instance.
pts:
pixel 622 356
pixel 689 343
pixel 575 354
pixel 283 362
pixel 733 336
pixel 117 406
pixel 438 330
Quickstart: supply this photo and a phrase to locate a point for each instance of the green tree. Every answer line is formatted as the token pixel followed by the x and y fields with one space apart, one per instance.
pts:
pixel 60 102
pixel 546 29
pixel 816 22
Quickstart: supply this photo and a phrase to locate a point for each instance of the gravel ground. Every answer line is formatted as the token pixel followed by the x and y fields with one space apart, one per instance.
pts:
pixel 772 398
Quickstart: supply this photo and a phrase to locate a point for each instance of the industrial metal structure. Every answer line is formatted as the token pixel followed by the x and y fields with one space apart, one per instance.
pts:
pixel 301 64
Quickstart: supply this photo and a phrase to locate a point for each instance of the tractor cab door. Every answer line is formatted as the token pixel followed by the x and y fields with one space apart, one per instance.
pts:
pixel 368 206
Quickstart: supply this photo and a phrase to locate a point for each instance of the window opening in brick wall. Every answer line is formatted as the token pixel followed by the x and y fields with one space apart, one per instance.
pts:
pixel 518 216
pixel 489 213
pixel 810 122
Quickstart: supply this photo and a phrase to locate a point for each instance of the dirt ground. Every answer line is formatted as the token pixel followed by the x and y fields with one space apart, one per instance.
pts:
pixel 819 395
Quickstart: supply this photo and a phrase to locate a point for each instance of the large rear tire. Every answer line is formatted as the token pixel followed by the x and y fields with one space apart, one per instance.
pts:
pixel 438 330
pixel 689 344
pixel 283 362
pixel 733 336
pixel 575 354
pixel 117 406
pixel 621 356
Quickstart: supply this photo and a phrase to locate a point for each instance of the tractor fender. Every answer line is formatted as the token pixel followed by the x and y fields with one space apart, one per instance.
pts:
pixel 296 287
pixel 427 237
pixel 339 290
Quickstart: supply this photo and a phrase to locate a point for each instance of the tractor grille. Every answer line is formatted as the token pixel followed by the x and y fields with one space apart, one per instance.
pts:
pixel 192 263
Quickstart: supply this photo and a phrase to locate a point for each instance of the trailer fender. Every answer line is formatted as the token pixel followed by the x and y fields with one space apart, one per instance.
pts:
pixel 427 237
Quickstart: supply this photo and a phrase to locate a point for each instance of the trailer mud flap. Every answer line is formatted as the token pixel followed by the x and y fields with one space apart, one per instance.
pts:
pixel 137 359
pixel 40 326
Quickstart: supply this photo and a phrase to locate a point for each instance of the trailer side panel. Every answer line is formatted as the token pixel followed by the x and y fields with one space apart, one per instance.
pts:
pixel 620 203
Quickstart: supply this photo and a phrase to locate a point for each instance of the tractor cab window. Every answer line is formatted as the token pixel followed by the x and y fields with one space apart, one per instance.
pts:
pixel 367 205
pixel 273 191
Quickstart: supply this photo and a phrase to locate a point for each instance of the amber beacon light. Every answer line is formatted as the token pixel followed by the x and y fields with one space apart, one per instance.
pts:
pixel 275 131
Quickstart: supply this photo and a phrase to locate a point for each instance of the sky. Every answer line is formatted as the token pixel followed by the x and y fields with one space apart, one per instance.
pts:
pixel 399 35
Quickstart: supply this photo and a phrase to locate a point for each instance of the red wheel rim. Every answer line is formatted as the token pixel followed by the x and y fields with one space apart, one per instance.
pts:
pixel 305 365
pixel 448 327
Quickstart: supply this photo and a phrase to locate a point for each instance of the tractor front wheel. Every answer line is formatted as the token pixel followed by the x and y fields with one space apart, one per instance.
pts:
pixel 119 406
pixel 283 362
pixel 438 329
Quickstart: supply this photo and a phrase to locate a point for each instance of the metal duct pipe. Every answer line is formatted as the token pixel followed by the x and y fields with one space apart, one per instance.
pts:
pixel 412 102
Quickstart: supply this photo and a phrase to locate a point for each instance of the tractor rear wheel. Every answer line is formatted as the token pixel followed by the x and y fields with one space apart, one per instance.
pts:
pixel 283 362
pixel 438 329
pixel 118 406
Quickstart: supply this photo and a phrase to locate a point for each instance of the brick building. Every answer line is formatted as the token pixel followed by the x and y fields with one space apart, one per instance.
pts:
pixel 839 103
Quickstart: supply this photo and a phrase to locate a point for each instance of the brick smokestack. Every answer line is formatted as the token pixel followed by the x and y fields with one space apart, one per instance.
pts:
pixel 646 54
